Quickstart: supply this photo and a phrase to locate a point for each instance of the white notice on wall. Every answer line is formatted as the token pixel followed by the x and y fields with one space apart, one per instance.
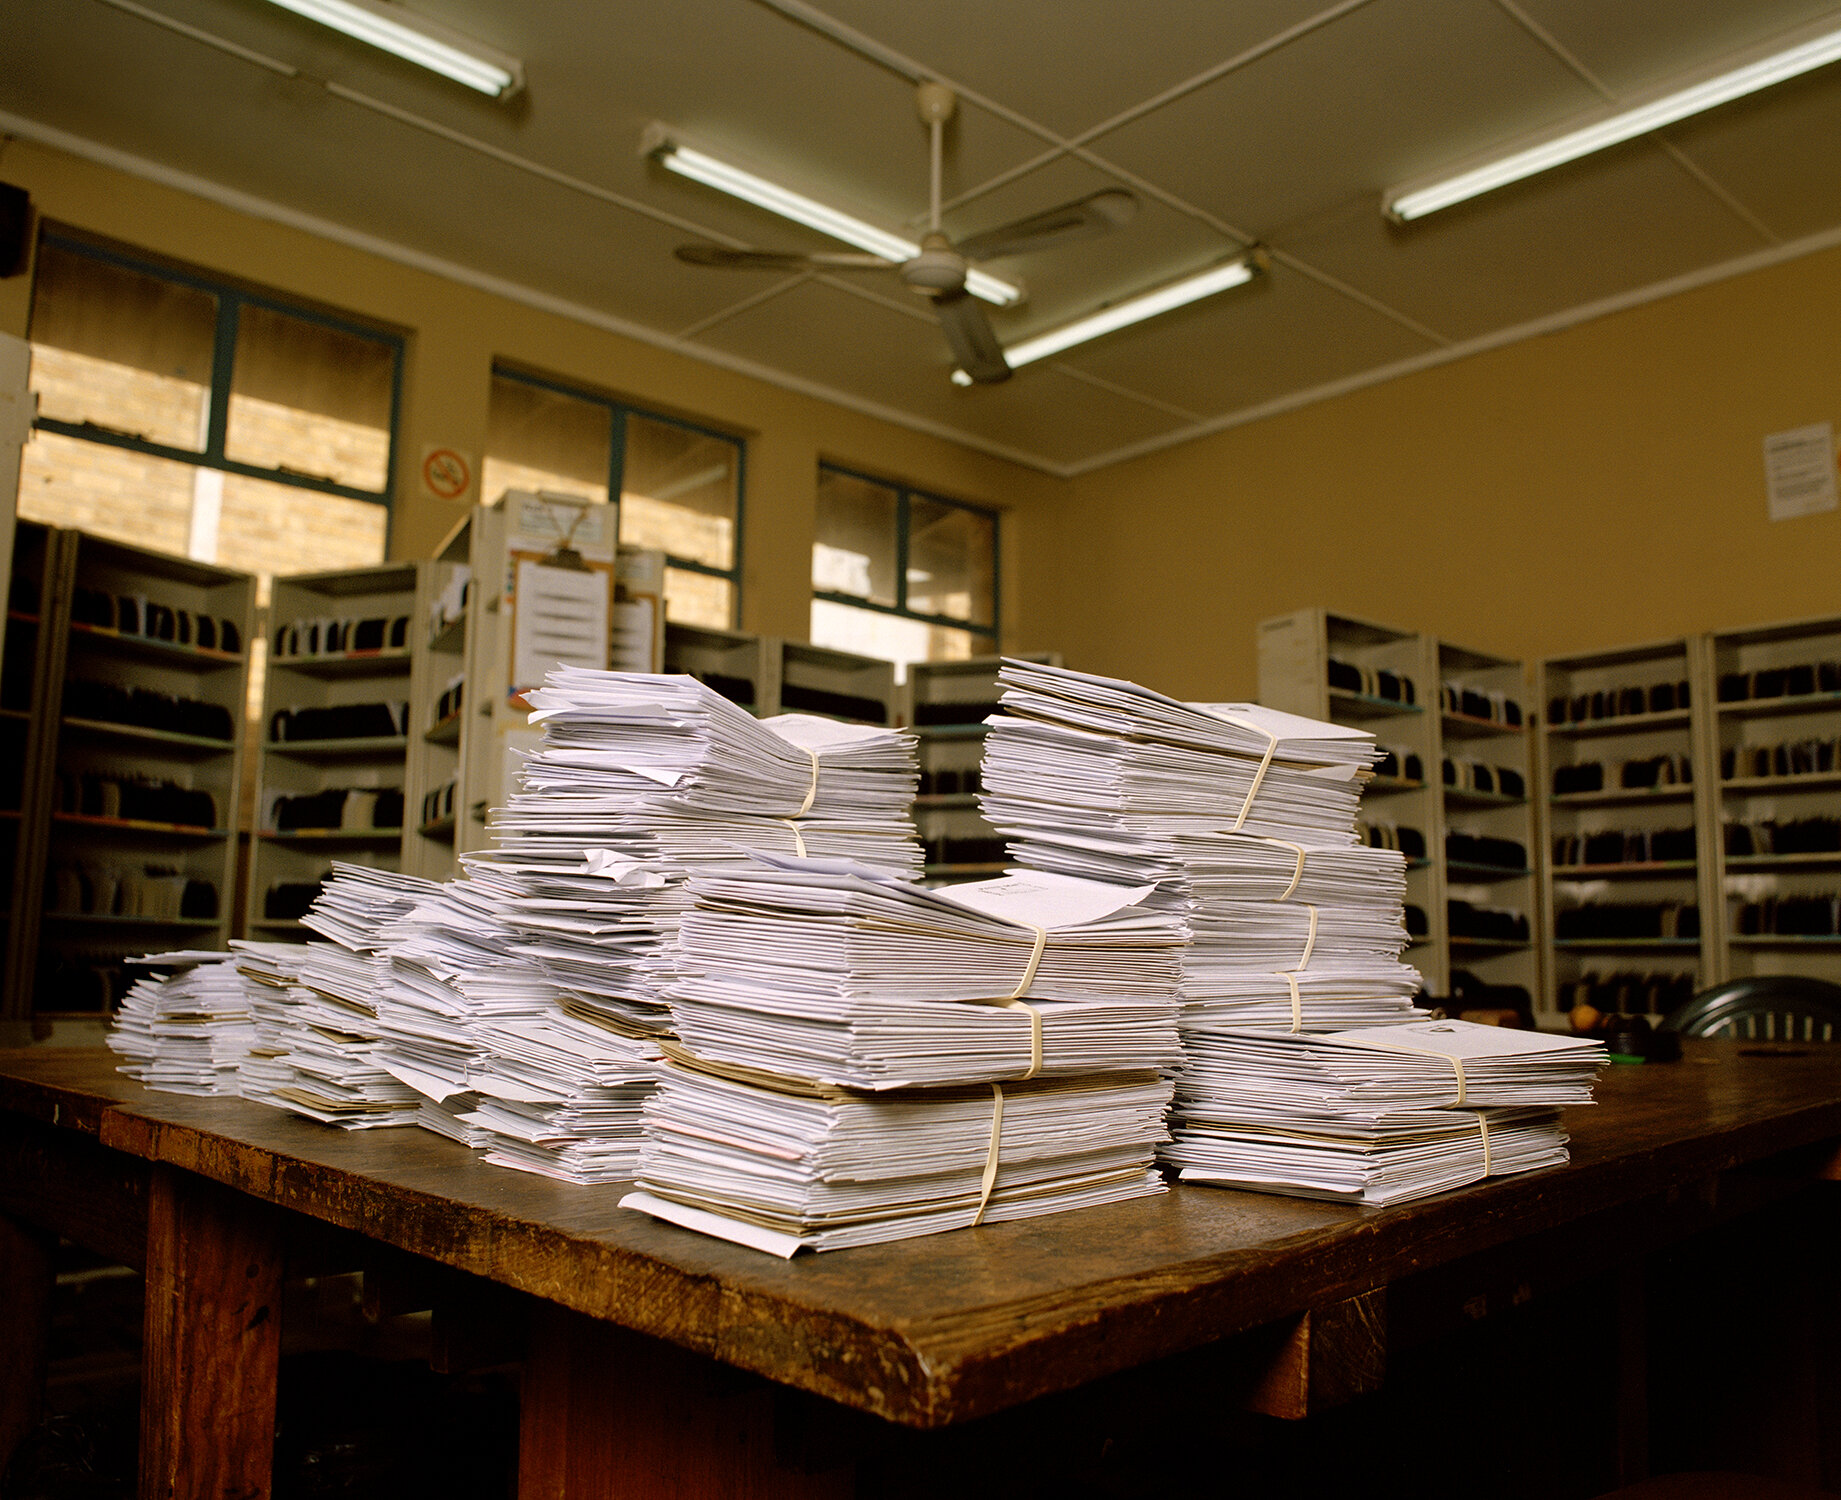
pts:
pixel 560 620
pixel 1799 471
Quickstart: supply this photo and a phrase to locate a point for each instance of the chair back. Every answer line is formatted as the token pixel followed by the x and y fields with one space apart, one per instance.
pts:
pixel 1763 1008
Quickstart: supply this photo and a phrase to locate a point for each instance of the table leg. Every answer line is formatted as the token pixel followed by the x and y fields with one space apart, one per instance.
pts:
pixel 613 1415
pixel 212 1341
pixel 25 1290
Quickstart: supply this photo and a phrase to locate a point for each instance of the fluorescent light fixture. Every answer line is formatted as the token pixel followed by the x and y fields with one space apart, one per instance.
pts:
pixel 418 39
pixel 1415 199
pixel 1123 314
pixel 706 169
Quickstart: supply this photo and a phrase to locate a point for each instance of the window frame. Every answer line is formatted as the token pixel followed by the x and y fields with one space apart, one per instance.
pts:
pixel 618 411
pixel 905 494
pixel 231 299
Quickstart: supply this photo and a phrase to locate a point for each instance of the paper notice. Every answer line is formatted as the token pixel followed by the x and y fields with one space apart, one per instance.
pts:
pixel 1799 471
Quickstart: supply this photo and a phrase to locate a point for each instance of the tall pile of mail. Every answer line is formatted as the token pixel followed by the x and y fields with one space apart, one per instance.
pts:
pixel 859 1059
pixel 1244 819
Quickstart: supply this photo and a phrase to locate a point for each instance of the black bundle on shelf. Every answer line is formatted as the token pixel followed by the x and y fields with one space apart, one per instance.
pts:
pixel 1472 703
pixel 1811 835
pixel 345 721
pixel 1380 835
pixel 141 799
pixel 1804 757
pixel 1799 681
pixel 1807 914
pixel 1612 920
pixel 154 620
pixel 147 708
pixel 1494 924
pixel 1483 849
pixel 349 809
pixel 1619 703
pixel 1625 846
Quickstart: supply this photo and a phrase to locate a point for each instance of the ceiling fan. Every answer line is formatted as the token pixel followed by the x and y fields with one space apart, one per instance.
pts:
pixel 938 270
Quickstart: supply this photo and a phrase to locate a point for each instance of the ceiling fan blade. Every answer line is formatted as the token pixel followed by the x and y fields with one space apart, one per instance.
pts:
pixel 974 345
pixel 1096 214
pixel 778 260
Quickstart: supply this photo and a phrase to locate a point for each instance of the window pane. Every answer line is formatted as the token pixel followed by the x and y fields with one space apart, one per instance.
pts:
pixel 698 599
pixel 109 491
pixel 266 528
pixel 853 548
pixel 677 491
pixel 950 556
pixel 539 439
pixel 868 633
pixel 127 351
pixel 311 400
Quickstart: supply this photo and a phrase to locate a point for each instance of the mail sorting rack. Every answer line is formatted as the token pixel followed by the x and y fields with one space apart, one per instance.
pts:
pixel 434 802
pixel 136 771
pixel 334 734
pixel 1378 678
pixel 1486 844
pixel 945 704
pixel 24 673
pixel 1627 827
pixel 1772 743
pixel 740 666
pixel 833 684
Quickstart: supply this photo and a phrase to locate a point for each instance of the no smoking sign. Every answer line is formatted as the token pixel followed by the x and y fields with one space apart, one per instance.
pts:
pixel 447 473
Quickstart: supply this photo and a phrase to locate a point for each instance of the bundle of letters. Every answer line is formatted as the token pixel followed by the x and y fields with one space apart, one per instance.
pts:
pixel 1376 1116
pixel 641 779
pixel 189 1031
pixel 861 1060
pixel 476 1027
pixel 1243 818
pixel 317 1050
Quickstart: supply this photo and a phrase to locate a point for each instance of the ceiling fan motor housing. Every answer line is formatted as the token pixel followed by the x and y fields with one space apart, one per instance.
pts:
pixel 938 268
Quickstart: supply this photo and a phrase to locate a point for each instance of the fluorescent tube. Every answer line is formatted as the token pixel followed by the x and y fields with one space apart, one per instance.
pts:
pixel 1122 314
pixel 419 40
pixel 1414 200
pixel 706 169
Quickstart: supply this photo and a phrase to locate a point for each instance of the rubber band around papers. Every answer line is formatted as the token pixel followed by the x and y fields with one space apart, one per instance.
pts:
pixel 1297 1001
pixel 1265 764
pixel 811 792
pixel 1482 1125
pixel 1297 875
pixel 1457 1063
pixel 798 837
pixel 1310 939
pixel 989 1180
pixel 1014 1000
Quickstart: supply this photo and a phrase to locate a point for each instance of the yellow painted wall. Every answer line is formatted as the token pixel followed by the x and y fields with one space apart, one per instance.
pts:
pixel 1598 486
pixel 1595 487
pixel 455 332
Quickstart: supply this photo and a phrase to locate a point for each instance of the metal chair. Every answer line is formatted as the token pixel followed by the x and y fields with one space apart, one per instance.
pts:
pixel 1763 1008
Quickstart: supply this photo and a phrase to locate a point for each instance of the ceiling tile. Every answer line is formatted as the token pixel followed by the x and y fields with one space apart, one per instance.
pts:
pixel 883 355
pixel 1080 62
pixel 1775 152
pixel 1635 45
pixel 1279 333
pixel 1388 92
pixel 1622 219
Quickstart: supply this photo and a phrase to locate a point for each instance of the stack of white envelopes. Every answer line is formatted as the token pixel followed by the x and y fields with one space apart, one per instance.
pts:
pixel 861 1060
pixel 317 1051
pixel 187 1032
pixel 642 778
pixel 1380 1115
pixel 1242 817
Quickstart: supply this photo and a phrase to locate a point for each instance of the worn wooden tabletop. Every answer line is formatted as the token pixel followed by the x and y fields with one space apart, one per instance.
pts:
pixel 958 1325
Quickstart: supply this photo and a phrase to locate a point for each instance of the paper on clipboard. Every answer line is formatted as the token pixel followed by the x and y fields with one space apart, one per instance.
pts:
pixel 561 620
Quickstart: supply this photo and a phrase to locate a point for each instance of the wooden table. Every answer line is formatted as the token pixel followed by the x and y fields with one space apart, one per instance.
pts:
pixel 635 1328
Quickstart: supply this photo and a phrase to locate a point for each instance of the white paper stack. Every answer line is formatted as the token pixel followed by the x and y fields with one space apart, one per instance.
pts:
pixel 189 1031
pixel 814 996
pixel 1379 1115
pixel 317 1050
pixel 1243 817
pixel 641 779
